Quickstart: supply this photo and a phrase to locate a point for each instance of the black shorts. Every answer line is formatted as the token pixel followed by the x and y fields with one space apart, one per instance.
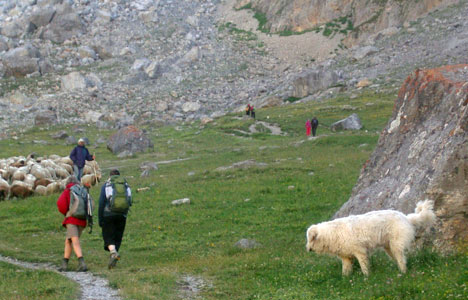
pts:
pixel 113 230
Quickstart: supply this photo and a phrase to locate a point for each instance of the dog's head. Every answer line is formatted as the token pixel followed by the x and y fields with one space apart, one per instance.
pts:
pixel 311 236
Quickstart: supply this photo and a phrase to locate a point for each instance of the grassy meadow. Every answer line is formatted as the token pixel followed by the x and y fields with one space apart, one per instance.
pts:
pixel 303 182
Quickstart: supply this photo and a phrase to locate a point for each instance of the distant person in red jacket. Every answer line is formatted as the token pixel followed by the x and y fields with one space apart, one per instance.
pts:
pixel 74 228
pixel 308 127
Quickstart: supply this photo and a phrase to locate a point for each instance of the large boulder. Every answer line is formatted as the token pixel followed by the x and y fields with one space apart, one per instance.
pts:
pixel 45 117
pixel 313 81
pixel 76 81
pixel 63 27
pixel 130 139
pixel 422 153
pixel 21 61
pixel 41 16
pixel 350 123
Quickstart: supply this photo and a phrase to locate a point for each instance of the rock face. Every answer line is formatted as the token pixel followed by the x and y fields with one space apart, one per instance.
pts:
pixel 130 139
pixel 422 153
pixel 313 81
pixel 367 17
pixel 350 123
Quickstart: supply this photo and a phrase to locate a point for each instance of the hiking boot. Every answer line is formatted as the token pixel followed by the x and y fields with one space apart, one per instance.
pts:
pixel 81 265
pixel 114 257
pixel 64 265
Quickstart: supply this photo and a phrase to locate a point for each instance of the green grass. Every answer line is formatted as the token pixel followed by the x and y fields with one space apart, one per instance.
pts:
pixel 163 242
pixel 20 283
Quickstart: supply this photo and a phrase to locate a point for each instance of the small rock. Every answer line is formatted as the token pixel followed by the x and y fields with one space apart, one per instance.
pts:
pixel 247 244
pixel 190 173
pixel 181 201
pixel 363 83
pixel 61 135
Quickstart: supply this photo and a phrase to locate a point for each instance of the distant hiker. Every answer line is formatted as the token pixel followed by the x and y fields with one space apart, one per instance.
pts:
pixel 315 124
pixel 75 204
pixel 114 203
pixel 252 111
pixel 308 127
pixel 247 110
pixel 79 156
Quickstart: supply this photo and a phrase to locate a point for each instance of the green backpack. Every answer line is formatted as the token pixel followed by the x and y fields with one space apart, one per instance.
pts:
pixel 119 196
pixel 78 202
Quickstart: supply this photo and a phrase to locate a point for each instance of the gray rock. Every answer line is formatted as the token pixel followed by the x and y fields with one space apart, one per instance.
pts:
pixel 45 117
pixel 41 16
pixel 129 139
pixel 364 52
pixel 140 64
pixel 125 154
pixel 12 30
pixel 92 116
pixel 61 135
pixel 86 51
pixel 422 154
pixel 247 244
pixel 181 201
pixel 45 66
pixel 77 81
pixel 63 27
pixel 313 81
pixel 71 140
pixel 350 123
pixel 191 107
pixel 3 44
pixel 154 70
pixel 21 61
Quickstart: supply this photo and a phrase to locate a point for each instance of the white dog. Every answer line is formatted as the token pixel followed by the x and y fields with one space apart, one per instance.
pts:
pixel 355 236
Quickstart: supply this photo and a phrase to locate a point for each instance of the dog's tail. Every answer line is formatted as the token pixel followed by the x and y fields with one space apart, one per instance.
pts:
pixel 423 215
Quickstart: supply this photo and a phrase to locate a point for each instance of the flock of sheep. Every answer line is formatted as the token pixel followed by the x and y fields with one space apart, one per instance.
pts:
pixel 26 176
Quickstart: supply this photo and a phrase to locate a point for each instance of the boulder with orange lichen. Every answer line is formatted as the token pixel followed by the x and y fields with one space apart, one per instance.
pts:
pixel 422 153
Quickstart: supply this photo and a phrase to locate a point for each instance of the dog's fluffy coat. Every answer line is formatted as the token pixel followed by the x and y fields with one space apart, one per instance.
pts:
pixel 355 236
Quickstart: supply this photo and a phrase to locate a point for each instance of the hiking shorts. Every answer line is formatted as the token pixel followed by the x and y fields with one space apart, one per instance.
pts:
pixel 73 230
pixel 112 231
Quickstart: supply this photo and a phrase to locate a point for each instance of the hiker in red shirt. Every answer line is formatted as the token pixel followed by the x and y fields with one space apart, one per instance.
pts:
pixel 74 228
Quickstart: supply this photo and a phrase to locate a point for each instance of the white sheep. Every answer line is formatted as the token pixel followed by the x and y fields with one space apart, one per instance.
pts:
pixel 4 189
pixel 52 188
pixel 20 189
pixel 90 179
pixel 40 190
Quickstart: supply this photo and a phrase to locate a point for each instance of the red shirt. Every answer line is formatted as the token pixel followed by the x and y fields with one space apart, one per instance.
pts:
pixel 63 203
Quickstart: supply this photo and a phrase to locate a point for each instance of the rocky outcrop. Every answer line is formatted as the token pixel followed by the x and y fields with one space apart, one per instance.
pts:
pixel 422 153
pixel 350 123
pixel 367 16
pixel 313 81
pixel 129 139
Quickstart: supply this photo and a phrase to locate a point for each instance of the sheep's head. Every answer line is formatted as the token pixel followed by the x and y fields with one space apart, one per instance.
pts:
pixel 311 237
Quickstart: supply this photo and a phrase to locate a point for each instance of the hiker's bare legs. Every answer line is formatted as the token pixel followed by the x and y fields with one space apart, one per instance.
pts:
pixel 68 249
pixel 111 248
pixel 76 246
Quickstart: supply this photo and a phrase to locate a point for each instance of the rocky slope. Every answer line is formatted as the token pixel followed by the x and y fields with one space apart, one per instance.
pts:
pixel 422 153
pixel 115 63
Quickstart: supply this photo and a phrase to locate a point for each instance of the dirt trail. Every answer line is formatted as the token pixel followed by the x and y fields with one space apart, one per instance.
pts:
pixel 91 287
pixel 275 130
pixel 290 49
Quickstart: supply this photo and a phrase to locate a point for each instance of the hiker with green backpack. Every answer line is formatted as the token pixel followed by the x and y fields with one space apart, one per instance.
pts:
pixel 77 207
pixel 114 203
